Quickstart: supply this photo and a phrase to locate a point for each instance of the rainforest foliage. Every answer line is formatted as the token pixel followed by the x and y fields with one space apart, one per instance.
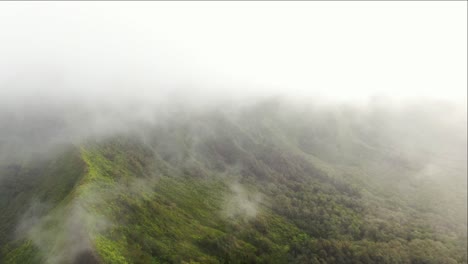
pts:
pixel 264 185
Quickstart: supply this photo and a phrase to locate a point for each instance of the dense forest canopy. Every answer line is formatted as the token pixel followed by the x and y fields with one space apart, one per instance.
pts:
pixel 269 182
pixel 233 132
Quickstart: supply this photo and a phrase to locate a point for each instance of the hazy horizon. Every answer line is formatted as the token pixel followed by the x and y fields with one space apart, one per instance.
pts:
pixel 211 51
pixel 233 132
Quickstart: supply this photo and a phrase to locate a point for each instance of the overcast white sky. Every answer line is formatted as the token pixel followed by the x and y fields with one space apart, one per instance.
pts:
pixel 340 50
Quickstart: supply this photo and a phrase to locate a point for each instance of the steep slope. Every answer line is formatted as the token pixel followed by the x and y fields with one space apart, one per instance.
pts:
pixel 31 189
pixel 262 186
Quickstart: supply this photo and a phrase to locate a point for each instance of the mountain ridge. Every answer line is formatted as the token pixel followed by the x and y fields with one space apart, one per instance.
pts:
pixel 218 189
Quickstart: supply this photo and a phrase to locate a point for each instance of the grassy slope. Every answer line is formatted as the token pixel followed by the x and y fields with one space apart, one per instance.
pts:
pixel 138 204
pixel 27 193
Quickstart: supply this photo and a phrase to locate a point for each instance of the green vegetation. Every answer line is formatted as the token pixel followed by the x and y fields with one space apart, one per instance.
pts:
pixel 262 187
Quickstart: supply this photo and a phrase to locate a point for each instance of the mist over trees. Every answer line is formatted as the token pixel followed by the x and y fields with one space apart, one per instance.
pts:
pixel 233 132
pixel 346 182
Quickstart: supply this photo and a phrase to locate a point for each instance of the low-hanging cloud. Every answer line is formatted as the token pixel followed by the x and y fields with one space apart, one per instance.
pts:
pixel 75 71
pixel 70 70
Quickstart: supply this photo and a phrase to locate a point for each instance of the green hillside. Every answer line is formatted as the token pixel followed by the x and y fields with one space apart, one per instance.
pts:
pixel 263 185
